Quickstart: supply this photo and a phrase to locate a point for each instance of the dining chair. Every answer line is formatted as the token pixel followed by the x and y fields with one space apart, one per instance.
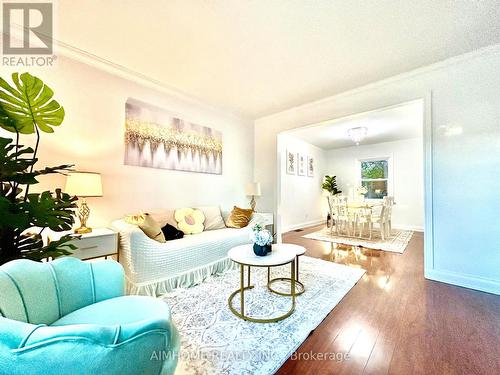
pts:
pixel 388 203
pixel 379 216
pixel 363 221
pixel 343 219
pixel 332 212
pixel 333 202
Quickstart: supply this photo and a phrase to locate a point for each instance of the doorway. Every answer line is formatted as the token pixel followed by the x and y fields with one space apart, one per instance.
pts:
pixel 395 139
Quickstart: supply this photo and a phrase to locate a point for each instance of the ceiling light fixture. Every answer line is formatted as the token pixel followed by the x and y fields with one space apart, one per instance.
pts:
pixel 357 134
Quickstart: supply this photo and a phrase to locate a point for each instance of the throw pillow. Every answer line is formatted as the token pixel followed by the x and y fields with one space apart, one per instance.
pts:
pixel 213 218
pixel 189 220
pixel 164 217
pixel 152 229
pixel 134 219
pixel 239 217
pixel 172 233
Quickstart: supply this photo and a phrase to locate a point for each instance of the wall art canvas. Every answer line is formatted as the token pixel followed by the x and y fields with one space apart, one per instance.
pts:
pixel 310 166
pixel 156 138
pixel 291 162
pixel 302 165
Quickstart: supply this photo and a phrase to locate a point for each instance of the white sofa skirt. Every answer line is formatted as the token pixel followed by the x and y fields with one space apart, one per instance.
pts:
pixel 187 279
pixel 154 268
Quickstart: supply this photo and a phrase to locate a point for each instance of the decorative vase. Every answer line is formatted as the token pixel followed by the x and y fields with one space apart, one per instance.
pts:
pixel 261 250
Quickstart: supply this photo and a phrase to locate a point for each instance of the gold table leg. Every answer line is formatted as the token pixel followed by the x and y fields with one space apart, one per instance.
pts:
pixel 297 270
pixel 241 291
pixel 301 286
pixel 248 278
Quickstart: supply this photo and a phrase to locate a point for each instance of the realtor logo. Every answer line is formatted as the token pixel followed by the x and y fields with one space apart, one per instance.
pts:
pixel 34 22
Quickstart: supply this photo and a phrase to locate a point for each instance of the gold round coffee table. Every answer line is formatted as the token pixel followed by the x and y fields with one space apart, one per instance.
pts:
pixel 299 287
pixel 245 257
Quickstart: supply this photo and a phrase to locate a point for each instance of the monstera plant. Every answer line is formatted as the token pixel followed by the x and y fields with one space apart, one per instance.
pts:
pixel 27 109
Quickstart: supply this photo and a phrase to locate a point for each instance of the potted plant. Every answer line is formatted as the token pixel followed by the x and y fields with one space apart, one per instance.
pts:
pixel 262 240
pixel 330 185
pixel 27 108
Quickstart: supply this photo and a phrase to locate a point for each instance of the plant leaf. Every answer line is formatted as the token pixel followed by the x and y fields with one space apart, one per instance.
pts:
pixel 14 167
pixel 54 211
pixel 31 247
pixel 28 105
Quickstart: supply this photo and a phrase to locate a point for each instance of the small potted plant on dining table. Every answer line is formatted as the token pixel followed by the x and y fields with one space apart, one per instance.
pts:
pixel 262 240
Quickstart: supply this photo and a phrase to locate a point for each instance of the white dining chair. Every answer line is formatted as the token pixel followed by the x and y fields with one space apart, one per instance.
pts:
pixel 388 203
pixel 332 212
pixel 363 221
pixel 343 219
pixel 379 216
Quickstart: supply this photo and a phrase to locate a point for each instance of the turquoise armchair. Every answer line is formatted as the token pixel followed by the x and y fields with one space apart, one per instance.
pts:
pixel 71 317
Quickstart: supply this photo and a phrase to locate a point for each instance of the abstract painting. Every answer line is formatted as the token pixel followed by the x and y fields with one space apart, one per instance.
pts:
pixel 291 162
pixel 156 138
pixel 310 166
pixel 302 165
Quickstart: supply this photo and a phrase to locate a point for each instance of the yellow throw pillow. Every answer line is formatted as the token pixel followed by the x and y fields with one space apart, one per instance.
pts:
pixel 239 217
pixel 152 229
pixel 189 220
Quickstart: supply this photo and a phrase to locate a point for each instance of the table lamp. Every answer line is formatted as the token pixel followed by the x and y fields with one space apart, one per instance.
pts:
pixel 253 190
pixel 83 185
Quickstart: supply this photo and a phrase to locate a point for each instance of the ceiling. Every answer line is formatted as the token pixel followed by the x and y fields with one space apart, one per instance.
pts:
pixel 384 125
pixel 258 57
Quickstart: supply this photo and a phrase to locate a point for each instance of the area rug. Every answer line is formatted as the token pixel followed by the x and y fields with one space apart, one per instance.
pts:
pixel 214 341
pixel 396 243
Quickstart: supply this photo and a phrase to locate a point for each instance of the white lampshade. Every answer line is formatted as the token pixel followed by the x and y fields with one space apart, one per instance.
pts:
pixel 84 184
pixel 253 189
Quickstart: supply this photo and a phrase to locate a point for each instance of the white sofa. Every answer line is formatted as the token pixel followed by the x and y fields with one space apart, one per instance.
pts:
pixel 154 268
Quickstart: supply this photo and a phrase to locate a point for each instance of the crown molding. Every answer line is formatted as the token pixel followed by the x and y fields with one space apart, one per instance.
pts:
pixel 411 74
pixel 88 58
pixel 122 71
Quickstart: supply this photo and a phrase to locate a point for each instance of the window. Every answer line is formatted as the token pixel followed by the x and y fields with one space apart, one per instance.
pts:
pixel 375 178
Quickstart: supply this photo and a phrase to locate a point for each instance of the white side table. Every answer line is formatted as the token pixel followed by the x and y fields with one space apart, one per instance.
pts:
pixel 101 242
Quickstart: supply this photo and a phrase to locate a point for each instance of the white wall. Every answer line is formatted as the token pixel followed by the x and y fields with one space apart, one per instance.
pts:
pixel 463 245
pixel 302 203
pixel 92 137
pixel 406 181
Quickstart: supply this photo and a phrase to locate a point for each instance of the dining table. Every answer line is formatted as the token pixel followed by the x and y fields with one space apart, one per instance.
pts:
pixel 356 205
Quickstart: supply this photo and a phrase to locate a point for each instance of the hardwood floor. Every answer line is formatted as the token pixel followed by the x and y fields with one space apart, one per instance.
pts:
pixel 395 322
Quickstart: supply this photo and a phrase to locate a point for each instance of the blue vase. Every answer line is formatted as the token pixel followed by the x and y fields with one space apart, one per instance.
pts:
pixel 261 250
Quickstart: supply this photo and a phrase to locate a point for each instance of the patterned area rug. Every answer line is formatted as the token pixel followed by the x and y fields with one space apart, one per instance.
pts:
pixel 396 243
pixel 214 341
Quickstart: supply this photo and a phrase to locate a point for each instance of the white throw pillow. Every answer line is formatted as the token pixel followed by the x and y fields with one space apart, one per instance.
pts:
pixel 213 217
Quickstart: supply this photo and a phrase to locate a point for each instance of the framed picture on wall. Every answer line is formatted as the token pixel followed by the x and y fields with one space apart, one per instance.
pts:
pixel 157 138
pixel 291 162
pixel 302 164
pixel 310 166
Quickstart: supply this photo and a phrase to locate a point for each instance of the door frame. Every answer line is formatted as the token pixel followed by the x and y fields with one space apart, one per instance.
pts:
pixel 427 145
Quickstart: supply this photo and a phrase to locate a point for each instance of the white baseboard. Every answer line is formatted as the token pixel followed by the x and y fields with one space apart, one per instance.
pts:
pixel 408 227
pixel 303 225
pixel 466 281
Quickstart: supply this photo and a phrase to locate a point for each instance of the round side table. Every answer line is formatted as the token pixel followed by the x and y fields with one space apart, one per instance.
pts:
pixel 299 288
pixel 244 256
